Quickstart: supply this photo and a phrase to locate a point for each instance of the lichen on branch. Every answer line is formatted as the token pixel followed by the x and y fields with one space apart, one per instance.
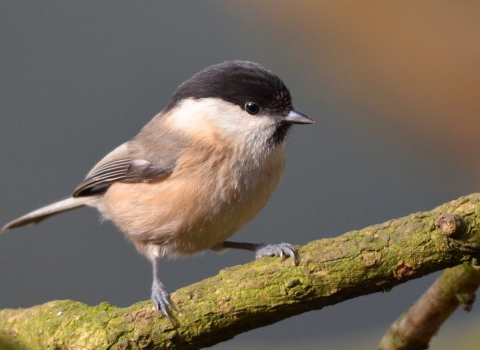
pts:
pixel 241 298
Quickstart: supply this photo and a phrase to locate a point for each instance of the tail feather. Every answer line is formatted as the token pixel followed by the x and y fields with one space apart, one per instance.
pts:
pixel 49 210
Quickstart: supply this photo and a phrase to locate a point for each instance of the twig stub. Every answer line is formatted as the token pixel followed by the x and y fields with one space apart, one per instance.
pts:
pixel 449 224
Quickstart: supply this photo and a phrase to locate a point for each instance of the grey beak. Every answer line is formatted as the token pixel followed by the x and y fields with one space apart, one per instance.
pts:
pixel 295 117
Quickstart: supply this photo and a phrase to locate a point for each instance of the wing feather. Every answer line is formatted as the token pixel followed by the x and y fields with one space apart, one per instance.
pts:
pixel 119 167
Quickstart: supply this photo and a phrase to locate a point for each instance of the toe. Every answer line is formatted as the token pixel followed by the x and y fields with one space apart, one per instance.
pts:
pixel 161 300
pixel 281 250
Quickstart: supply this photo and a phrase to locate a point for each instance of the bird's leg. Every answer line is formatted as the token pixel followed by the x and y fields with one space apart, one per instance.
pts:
pixel 261 249
pixel 160 296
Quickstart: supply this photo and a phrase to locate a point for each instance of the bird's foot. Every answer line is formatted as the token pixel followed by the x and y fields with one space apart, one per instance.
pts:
pixel 282 250
pixel 161 299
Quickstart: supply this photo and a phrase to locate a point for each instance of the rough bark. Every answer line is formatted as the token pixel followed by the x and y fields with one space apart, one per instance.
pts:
pixel 263 292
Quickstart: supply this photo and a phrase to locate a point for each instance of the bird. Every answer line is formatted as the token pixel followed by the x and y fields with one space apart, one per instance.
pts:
pixel 197 172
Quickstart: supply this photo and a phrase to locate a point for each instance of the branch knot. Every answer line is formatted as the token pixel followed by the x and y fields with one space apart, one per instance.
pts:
pixel 449 224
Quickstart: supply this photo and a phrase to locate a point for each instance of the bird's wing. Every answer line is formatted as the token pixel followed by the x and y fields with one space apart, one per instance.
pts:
pixel 118 166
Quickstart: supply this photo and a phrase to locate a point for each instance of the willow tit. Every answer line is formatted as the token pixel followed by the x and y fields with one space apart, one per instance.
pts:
pixel 197 172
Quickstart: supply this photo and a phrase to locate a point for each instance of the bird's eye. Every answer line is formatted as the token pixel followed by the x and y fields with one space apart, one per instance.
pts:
pixel 252 108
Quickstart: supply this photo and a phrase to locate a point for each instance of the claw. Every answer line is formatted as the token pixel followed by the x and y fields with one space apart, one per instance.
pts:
pixel 281 250
pixel 161 300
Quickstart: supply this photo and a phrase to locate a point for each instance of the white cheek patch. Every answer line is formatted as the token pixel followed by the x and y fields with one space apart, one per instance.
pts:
pixel 210 116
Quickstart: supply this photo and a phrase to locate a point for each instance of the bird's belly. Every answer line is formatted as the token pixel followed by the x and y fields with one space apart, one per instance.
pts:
pixel 180 216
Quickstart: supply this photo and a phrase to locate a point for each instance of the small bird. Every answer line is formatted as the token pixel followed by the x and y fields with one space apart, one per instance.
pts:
pixel 197 172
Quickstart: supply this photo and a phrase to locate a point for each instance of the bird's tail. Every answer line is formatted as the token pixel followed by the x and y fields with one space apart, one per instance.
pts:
pixel 52 209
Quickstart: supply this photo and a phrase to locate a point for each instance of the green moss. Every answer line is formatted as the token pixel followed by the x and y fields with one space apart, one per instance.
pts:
pixel 244 297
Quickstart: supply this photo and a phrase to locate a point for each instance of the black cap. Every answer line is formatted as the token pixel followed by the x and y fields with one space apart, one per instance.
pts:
pixel 237 82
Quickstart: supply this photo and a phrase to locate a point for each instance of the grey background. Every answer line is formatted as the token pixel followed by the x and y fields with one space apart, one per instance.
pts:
pixel 78 79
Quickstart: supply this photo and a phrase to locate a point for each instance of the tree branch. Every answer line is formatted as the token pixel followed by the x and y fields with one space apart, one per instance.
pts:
pixel 260 293
pixel 413 330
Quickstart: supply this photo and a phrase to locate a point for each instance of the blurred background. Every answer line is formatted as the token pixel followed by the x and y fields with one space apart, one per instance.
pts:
pixel 393 88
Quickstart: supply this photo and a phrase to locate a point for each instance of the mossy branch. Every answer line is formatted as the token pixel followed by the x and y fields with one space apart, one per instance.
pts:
pixel 260 293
